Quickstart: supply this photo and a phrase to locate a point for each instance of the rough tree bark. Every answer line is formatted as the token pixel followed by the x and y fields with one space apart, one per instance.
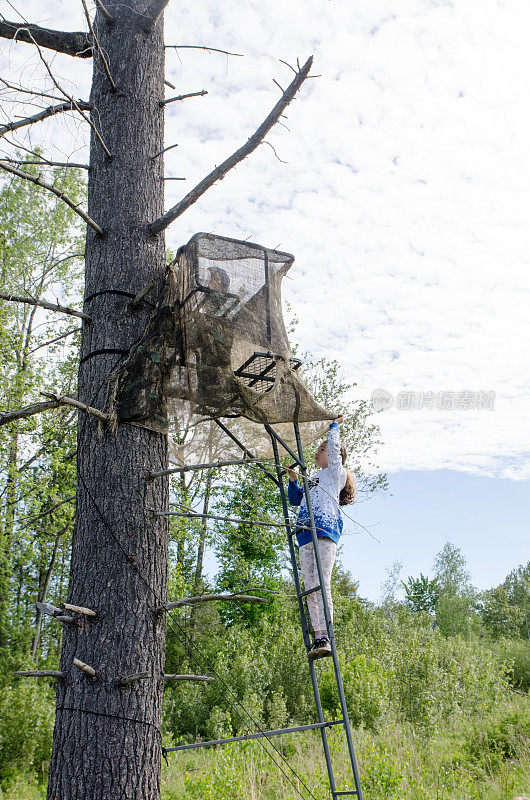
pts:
pixel 107 737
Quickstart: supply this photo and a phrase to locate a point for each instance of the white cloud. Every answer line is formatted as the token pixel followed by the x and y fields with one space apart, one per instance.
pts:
pixel 404 198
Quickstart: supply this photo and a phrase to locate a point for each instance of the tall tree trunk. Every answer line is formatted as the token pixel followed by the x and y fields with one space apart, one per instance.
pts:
pixel 107 741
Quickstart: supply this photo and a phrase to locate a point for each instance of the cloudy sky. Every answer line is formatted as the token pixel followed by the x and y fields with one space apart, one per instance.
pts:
pixel 404 198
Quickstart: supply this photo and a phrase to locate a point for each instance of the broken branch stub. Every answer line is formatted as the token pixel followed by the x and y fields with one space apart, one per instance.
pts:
pixel 90 671
pixel 79 609
pixel 138 676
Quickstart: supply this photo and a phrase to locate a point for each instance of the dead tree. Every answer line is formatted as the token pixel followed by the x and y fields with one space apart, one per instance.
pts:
pixel 107 741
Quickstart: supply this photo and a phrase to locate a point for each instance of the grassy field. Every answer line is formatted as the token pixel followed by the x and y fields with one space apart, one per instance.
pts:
pixel 467 763
pixel 481 759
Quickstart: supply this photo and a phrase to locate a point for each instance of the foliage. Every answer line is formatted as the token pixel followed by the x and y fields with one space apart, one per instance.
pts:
pixel 41 252
pixel 514 655
pixel 421 594
pixel 488 759
pixel 26 725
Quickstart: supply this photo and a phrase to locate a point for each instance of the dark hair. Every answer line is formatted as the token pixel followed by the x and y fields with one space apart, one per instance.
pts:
pixel 347 493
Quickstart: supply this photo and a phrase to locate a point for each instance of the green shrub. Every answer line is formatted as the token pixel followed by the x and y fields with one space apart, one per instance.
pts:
pixel 364 689
pixel 514 655
pixel 26 727
pixel 502 736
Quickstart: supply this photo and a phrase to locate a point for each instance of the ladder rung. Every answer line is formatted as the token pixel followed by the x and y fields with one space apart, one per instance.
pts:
pixel 310 591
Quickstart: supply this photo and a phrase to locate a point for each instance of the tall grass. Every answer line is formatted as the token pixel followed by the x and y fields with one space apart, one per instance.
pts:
pixel 487 759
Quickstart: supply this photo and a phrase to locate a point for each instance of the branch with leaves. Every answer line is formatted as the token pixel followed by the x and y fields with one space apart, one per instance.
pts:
pixel 219 172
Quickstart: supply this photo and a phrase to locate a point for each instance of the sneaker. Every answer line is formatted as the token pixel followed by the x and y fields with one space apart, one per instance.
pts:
pixel 320 648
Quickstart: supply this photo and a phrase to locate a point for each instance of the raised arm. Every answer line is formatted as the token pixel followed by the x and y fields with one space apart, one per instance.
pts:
pixel 334 457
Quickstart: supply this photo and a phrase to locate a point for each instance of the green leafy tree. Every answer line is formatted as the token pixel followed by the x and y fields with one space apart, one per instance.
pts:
pixel 500 617
pixel 456 608
pixel 41 253
pixel 421 594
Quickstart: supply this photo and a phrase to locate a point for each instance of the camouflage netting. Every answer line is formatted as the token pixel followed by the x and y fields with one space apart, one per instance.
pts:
pixel 216 347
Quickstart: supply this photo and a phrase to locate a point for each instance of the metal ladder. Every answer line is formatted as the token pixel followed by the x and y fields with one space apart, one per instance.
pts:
pixel 299 459
pixel 322 724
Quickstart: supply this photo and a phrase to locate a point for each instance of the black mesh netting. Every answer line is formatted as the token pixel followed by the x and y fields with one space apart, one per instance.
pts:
pixel 216 346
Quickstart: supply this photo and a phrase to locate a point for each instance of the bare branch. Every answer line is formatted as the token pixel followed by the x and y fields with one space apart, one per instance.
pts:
pixel 210 465
pixel 47 513
pixel 235 520
pixel 39 673
pixel 61 195
pixel 183 97
pixel 71 99
pixel 57 339
pixel 219 172
pixel 11 416
pixel 71 401
pixel 98 46
pixel 104 11
pixel 44 114
pixel 202 47
pixel 287 65
pixel 274 151
pixel 168 83
pixel 153 11
pixel 209 598
pixel 173 179
pixel 45 161
pixel 171 146
pixel 43 304
pixel 73 44
pixel 29 91
pixel 205 678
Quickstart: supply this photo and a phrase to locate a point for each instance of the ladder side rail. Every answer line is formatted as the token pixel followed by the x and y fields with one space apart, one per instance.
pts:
pixel 246 451
pixel 275 436
pixel 257 735
pixel 303 618
pixel 327 616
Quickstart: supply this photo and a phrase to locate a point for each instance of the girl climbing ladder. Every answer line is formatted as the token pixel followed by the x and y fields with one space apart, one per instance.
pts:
pixel 330 487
